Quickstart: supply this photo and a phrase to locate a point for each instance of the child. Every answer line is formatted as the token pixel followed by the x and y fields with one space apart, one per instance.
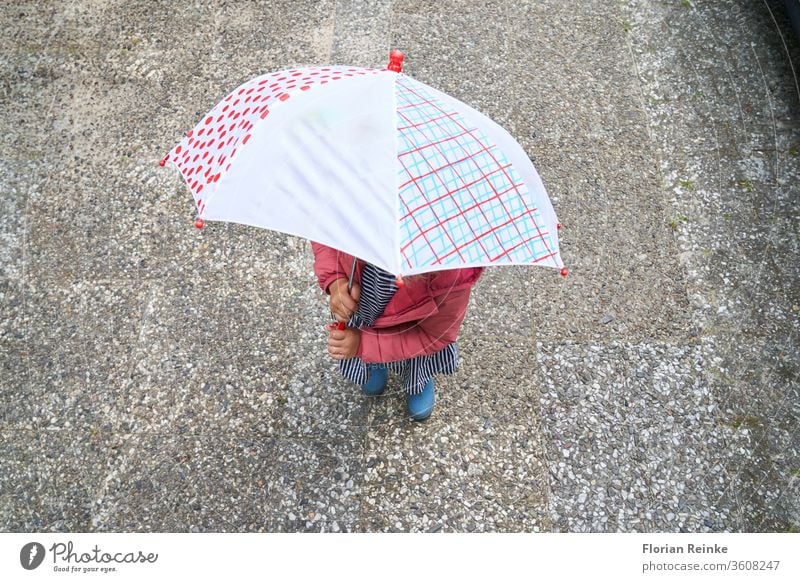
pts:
pixel 410 330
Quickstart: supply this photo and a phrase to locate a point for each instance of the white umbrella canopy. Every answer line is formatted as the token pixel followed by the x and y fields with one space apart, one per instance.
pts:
pixel 373 163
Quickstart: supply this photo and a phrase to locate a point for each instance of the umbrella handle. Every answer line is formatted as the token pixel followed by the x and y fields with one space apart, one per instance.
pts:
pixel 341 325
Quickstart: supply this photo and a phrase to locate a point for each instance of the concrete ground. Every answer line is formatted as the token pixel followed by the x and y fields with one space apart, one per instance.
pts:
pixel 158 378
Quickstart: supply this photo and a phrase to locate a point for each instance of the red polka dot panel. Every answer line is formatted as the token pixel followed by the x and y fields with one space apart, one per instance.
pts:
pixel 207 152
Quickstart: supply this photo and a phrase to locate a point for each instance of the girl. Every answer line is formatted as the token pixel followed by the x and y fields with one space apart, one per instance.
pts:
pixel 410 330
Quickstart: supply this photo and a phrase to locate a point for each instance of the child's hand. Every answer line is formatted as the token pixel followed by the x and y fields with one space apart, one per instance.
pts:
pixel 343 344
pixel 343 304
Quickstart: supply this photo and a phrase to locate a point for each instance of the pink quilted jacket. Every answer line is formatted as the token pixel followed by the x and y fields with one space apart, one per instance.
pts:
pixel 421 318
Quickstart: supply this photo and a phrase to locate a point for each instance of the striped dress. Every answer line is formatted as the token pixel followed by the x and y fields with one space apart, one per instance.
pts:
pixel 377 289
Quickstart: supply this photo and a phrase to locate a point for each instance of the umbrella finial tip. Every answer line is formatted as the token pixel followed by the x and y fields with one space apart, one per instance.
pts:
pixel 564 272
pixel 199 223
pixel 396 61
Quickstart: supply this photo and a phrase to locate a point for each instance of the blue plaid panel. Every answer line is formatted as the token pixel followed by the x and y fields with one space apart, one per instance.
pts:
pixel 461 202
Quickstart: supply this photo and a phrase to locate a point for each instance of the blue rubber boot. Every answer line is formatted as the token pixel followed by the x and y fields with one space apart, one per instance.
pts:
pixel 376 380
pixel 420 405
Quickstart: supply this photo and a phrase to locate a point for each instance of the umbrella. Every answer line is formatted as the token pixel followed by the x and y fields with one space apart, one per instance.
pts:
pixel 371 162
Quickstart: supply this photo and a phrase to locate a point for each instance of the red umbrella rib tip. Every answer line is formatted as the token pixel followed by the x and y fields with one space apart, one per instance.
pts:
pixel 199 223
pixel 162 162
pixel 396 61
pixel 564 272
